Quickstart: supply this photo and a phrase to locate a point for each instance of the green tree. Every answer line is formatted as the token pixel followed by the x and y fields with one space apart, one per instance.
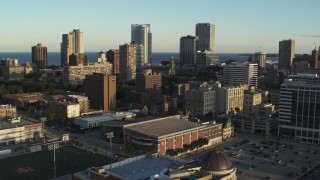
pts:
pixel 55 112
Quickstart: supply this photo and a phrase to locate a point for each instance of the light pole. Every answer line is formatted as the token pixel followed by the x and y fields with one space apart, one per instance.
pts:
pixel 110 136
pixel 54 146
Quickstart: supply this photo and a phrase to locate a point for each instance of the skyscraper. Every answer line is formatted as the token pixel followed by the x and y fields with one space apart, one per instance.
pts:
pixel 140 34
pixel 260 58
pixel 315 58
pixel 236 73
pixel 206 34
pixel 39 56
pixel 287 52
pixel 188 50
pixel 131 56
pixel 71 43
pixel 101 91
pixel 113 58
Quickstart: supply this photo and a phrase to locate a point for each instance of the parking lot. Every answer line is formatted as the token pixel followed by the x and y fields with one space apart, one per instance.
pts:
pixel 256 157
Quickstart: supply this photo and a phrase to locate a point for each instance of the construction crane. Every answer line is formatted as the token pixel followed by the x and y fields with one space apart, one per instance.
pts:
pixel 310 35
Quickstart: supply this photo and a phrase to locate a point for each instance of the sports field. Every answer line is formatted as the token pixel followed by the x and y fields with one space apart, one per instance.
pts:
pixel 39 165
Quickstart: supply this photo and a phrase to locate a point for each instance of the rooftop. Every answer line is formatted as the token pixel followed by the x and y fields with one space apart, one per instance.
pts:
pixel 163 126
pixel 7 125
pixel 78 96
pixel 97 118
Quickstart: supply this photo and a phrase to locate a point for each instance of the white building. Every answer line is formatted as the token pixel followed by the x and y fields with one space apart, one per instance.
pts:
pixel 140 34
pixel 72 109
pixel 299 112
pixel 201 101
pixel 18 130
pixel 71 43
pixel 237 73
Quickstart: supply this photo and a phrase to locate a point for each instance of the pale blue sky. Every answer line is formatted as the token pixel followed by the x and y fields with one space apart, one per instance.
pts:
pixel 241 25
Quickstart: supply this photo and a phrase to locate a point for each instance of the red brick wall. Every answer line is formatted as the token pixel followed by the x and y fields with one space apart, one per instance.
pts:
pixel 170 143
pixel 194 136
pixel 179 142
pixel 162 145
pixel 187 138
pixel 200 133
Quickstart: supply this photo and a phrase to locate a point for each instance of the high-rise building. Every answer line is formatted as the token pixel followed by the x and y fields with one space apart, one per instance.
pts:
pixel 101 91
pixel 299 115
pixel 130 58
pixel 229 99
pixel 71 43
pixel 188 50
pixel 236 73
pixel 113 58
pixel 201 101
pixel 76 59
pixel 206 34
pixel 151 83
pixel 205 59
pixel 140 34
pixel 287 52
pixel 260 58
pixel 39 56
pixel 315 58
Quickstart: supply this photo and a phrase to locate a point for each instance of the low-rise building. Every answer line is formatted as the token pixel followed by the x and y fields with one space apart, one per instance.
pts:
pixel 17 130
pixel 173 132
pixel 83 102
pixel 92 121
pixel 72 109
pixel 7 110
pixel 24 99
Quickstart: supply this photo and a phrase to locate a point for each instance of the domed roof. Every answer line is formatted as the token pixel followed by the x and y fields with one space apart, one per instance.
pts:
pixel 216 161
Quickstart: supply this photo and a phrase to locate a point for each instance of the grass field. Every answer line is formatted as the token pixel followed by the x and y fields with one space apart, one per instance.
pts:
pixel 39 165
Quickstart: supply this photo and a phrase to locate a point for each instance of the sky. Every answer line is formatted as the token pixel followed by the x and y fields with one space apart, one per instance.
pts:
pixel 242 26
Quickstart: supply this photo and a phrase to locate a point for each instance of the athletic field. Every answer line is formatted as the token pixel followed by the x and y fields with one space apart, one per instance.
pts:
pixel 39 165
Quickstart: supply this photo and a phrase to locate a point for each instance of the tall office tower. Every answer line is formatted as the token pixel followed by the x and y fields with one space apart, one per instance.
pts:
pixel 206 34
pixel 130 60
pixel 113 58
pixel 140 34
pixel 299 115
pixel 201 101
pixel 71 43
pixel 236 73
pixel 315 58
pixel 151 83
pixel 287 52
pixel 101 91
pixel 39 56
pixel 76 59
pixel 188 50
pixel 260 58
pixel 205 59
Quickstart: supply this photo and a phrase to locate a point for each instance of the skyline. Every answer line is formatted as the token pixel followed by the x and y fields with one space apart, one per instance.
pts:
pixel 241 27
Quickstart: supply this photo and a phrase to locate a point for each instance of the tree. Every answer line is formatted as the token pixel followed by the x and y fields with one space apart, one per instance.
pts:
pixel 55 112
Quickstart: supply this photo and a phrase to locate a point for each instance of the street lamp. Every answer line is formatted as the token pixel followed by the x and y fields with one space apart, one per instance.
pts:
pixel 53 146
pixel 110 136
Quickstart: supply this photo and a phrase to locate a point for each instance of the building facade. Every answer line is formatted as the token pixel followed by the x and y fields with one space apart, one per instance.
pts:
pixel 101 91
pixel 39 56
pixel 201 101
pixel 83 101
pixel 252 101
pixel 75 75
pixel 71 43
pixel 7 110
pixel 140 34
pixel 287 52
pixel 76 59
pixel 206 34
pixel 205 59
pixel 299 115
pixel 114 59
pixel 188 50
pixel 260 58
pixel 130 59
pixel 237 73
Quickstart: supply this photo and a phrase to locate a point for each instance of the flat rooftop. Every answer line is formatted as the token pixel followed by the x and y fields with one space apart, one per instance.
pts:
pixel 163 126
pixel 142 167
pixel 97 118
pixel 7 125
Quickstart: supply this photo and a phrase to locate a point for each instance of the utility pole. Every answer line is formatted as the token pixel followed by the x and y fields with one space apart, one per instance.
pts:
pixel 53 146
